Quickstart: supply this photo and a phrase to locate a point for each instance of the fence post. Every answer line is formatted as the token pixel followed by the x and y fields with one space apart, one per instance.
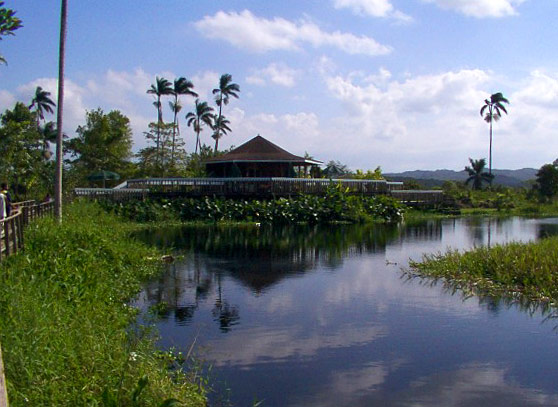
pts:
pixel 3 389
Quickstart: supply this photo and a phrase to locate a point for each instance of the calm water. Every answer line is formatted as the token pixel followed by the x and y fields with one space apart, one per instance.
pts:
pixel 323 316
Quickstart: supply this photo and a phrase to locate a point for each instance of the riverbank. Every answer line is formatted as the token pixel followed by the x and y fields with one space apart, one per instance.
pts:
pixel 527 271
pixel 67 334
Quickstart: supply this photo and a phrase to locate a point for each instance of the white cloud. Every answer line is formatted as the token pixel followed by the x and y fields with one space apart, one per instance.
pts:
pixel 480 8
pixel 247 31
pixel 373 8
pixel 387 122
pixel 279 74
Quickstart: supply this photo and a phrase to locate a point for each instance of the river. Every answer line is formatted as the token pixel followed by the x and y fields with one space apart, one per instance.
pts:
pixel 324 316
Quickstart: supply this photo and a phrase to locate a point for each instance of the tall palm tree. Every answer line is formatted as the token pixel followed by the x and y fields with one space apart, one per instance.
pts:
pixel 494 113
pixel 477 175
pixel 223 93
pixel 182 86
pixel 202 115
pixel 161 87
pixel 42 103
pixel 59 113
pixel 220 126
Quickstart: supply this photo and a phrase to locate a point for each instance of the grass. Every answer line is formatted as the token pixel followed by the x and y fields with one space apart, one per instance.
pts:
pixel 528 271
pixel 68 336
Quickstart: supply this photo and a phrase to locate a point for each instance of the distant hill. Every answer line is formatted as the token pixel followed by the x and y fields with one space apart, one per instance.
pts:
pixel 429 179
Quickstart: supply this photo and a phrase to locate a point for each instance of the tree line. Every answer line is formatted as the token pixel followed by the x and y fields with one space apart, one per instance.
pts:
pixel 104 140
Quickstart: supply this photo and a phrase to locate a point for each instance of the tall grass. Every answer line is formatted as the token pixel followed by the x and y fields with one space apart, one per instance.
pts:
pixel 67 334
pixel 528 270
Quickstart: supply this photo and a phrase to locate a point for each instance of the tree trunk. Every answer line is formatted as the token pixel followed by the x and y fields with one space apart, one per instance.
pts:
pixel 490 148
pixel 60 110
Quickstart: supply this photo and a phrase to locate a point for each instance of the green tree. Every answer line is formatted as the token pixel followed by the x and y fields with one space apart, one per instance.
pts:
pixel 220 126
pixel 477 175
pixel 182 86
pixel 161 88
pixel 222 94
pixel 492 112
pixel 335 169
pixel 547 182
pixel 103 143
pixel 200 116
pixel 8 24
pixel 23 163
pixel 369 174
pixel 43 103
pixel 162 163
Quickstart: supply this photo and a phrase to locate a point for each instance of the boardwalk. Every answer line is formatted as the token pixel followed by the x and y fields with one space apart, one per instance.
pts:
pixel 257 188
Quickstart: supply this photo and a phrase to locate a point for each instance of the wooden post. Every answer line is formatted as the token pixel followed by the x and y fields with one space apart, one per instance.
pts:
pixel 6 238
pixel 3 389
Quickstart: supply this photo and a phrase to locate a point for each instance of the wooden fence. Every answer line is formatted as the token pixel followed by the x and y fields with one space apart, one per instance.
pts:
pixel 11 228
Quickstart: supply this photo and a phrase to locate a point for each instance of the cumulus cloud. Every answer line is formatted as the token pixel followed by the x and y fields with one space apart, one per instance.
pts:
pixel 480 8
pixel 423 116
pixel 278 74
pixel 247 31
pixel 373 8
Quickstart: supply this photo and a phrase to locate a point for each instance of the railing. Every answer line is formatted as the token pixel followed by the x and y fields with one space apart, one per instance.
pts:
pixel 11 228
pixel 124 194
pixel 258 186
pixel 418 197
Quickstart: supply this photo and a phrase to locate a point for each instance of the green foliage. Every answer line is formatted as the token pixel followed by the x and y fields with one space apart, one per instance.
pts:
pixel 68 336
pixel 369 174
pixel 170 158
pixel 23 165
pixel 103 143
pixel 547 182
pixel 335 206
pixel 335 169
pixel 476 173
pixel 529 270
pixel 8 23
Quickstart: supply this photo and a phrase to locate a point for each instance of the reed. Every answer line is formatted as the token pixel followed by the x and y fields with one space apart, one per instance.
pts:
pixel 527 270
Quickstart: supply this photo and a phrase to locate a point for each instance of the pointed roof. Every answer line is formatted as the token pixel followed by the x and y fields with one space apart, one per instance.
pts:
pixel 260 149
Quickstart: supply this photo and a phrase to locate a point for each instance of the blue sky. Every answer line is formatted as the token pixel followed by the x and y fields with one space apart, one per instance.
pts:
pixel 367 82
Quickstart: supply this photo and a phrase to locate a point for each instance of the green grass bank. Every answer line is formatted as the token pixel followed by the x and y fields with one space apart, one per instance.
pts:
pixel 526 271
pixel 68 336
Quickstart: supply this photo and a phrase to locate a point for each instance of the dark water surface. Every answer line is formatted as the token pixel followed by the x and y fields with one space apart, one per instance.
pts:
pixel 323 316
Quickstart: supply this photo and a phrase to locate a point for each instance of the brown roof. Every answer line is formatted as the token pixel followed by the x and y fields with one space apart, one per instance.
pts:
pixel 259 149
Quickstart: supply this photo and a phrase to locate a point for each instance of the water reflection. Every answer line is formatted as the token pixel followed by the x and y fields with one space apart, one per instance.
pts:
pixel 323 316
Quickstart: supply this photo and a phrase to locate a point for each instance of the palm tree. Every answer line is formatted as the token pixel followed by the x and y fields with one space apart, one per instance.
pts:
pixel 220 126
pixel 42 103
pixel 161 87
pixel 495 108
pixel 202 115
pixel 223 93
pixel 477 174
pixel 182 86
pixel 59 113
pixel 48 133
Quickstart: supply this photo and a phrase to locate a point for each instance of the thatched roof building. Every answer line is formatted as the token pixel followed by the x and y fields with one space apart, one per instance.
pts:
pixel 258 157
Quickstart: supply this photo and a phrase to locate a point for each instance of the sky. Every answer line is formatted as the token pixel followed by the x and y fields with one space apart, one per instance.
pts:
pixel 391 83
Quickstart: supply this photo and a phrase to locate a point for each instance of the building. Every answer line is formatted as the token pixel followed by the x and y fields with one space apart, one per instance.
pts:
pixel 257 158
